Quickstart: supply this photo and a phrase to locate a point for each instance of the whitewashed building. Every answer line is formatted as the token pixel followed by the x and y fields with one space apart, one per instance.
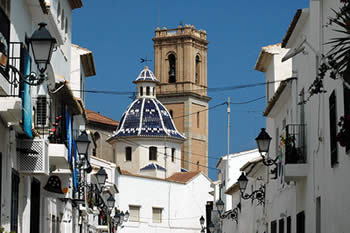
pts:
pixel 159 194
pixel 39 122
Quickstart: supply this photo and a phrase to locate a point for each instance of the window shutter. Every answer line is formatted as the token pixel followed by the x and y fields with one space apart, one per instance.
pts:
pixel 156 215
pixel 42 112
pixel 134 213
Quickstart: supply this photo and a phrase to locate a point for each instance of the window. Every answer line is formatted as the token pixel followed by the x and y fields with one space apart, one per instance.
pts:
pixel 153 153
pixel 42 111
pixel 128 153
pixel 281 226
pixel 4 38
pixel 148 91
pixel 134 213
pixel 171 113
pixel 172 68
pixel 333 128
pixel 62 20
pixel 0 182
pixel 173 154
pixel 289 224
pixel 66 26
pixel 198 69
pixel 157 215
pixel 301 222
pixel 197 165
pixel 347 102
pixel 35 206
pixel 14 201
pixel 58 11
pixel 197 119
pixel 141 91
pixel 318 215
pixel 273 227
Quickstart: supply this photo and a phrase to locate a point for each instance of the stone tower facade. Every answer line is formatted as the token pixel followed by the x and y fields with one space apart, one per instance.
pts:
pixel 180 63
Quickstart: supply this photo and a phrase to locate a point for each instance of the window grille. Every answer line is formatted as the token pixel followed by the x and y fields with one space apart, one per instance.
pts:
pixel 42 112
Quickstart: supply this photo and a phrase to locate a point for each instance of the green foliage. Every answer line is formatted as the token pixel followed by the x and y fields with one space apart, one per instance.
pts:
pixel 2 230
pixel 337 61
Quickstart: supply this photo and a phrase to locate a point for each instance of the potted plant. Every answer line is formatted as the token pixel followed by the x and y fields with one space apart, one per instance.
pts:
pixel 343 136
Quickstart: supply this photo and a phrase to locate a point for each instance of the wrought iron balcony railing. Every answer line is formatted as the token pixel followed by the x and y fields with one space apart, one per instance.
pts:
pixel 295 146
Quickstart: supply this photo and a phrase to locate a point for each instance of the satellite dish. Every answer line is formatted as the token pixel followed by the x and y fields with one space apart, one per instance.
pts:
pixel 50 79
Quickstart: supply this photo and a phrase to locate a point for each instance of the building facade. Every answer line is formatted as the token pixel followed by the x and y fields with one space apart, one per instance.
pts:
pixel 180 63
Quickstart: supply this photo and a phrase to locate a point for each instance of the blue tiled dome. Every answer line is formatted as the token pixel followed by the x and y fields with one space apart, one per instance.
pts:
pixel 146 75
pixel 146 116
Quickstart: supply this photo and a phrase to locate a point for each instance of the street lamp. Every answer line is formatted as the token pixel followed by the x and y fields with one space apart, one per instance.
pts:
pixel 126 216
pixel 42 44
pixel 110 202
pixel 220 205
pixel 263 141
pixel 83 143
pixel 101 176
pixel 258 194
pixel 211 226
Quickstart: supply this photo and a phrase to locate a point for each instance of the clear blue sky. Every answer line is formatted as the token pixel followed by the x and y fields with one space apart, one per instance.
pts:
pixel 119 32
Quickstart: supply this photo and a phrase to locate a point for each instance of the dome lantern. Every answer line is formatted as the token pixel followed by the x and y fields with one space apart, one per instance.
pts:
pixel 146 84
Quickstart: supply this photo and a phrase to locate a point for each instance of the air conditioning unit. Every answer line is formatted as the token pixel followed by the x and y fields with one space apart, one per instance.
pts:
pixel 42 112
pixel 33 156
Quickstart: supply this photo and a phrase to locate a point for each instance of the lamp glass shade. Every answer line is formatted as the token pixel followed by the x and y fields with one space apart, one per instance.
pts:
pixel 117 218
pixel 220 205
pixel 42 45
pixel 201 220
pixel 122 217
pixel 110 202
pixel 126 216
pixel 263 141
pixel 242 182
pixel 101 176
pixel 211 227
pixel 83 143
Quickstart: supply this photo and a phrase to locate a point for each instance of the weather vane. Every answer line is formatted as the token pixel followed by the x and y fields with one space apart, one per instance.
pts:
pixel 143 60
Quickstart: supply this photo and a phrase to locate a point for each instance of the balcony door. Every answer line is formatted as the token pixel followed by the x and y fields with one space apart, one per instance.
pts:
pixel 35 207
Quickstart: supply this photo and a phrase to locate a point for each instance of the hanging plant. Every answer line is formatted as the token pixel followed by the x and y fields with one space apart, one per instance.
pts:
pixel 343 137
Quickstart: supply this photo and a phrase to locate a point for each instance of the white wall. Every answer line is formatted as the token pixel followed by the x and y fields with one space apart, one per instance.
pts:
pixel 183 204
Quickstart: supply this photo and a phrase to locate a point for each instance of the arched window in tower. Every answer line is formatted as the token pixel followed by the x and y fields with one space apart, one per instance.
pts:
pixel 172 68
pixel 97 141
pixel 153 153
pixel 148 92
pixel 141 91
pixel 198 69
pixel 197 165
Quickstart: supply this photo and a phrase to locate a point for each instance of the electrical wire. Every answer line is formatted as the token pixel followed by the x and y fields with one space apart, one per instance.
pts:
pixel 212 89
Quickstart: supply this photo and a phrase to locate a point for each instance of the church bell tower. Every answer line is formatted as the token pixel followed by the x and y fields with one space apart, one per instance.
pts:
pixel 180 63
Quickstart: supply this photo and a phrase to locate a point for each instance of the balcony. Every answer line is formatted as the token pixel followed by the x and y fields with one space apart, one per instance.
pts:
pixel 296 167
pixel 58 157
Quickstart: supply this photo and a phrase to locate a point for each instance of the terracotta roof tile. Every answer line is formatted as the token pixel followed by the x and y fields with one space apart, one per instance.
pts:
pixel 179 177
pixel 183 177
pixel 99 118
pixel 291 28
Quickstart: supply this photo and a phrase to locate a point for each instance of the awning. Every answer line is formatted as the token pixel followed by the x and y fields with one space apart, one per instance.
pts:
pixel 63 91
